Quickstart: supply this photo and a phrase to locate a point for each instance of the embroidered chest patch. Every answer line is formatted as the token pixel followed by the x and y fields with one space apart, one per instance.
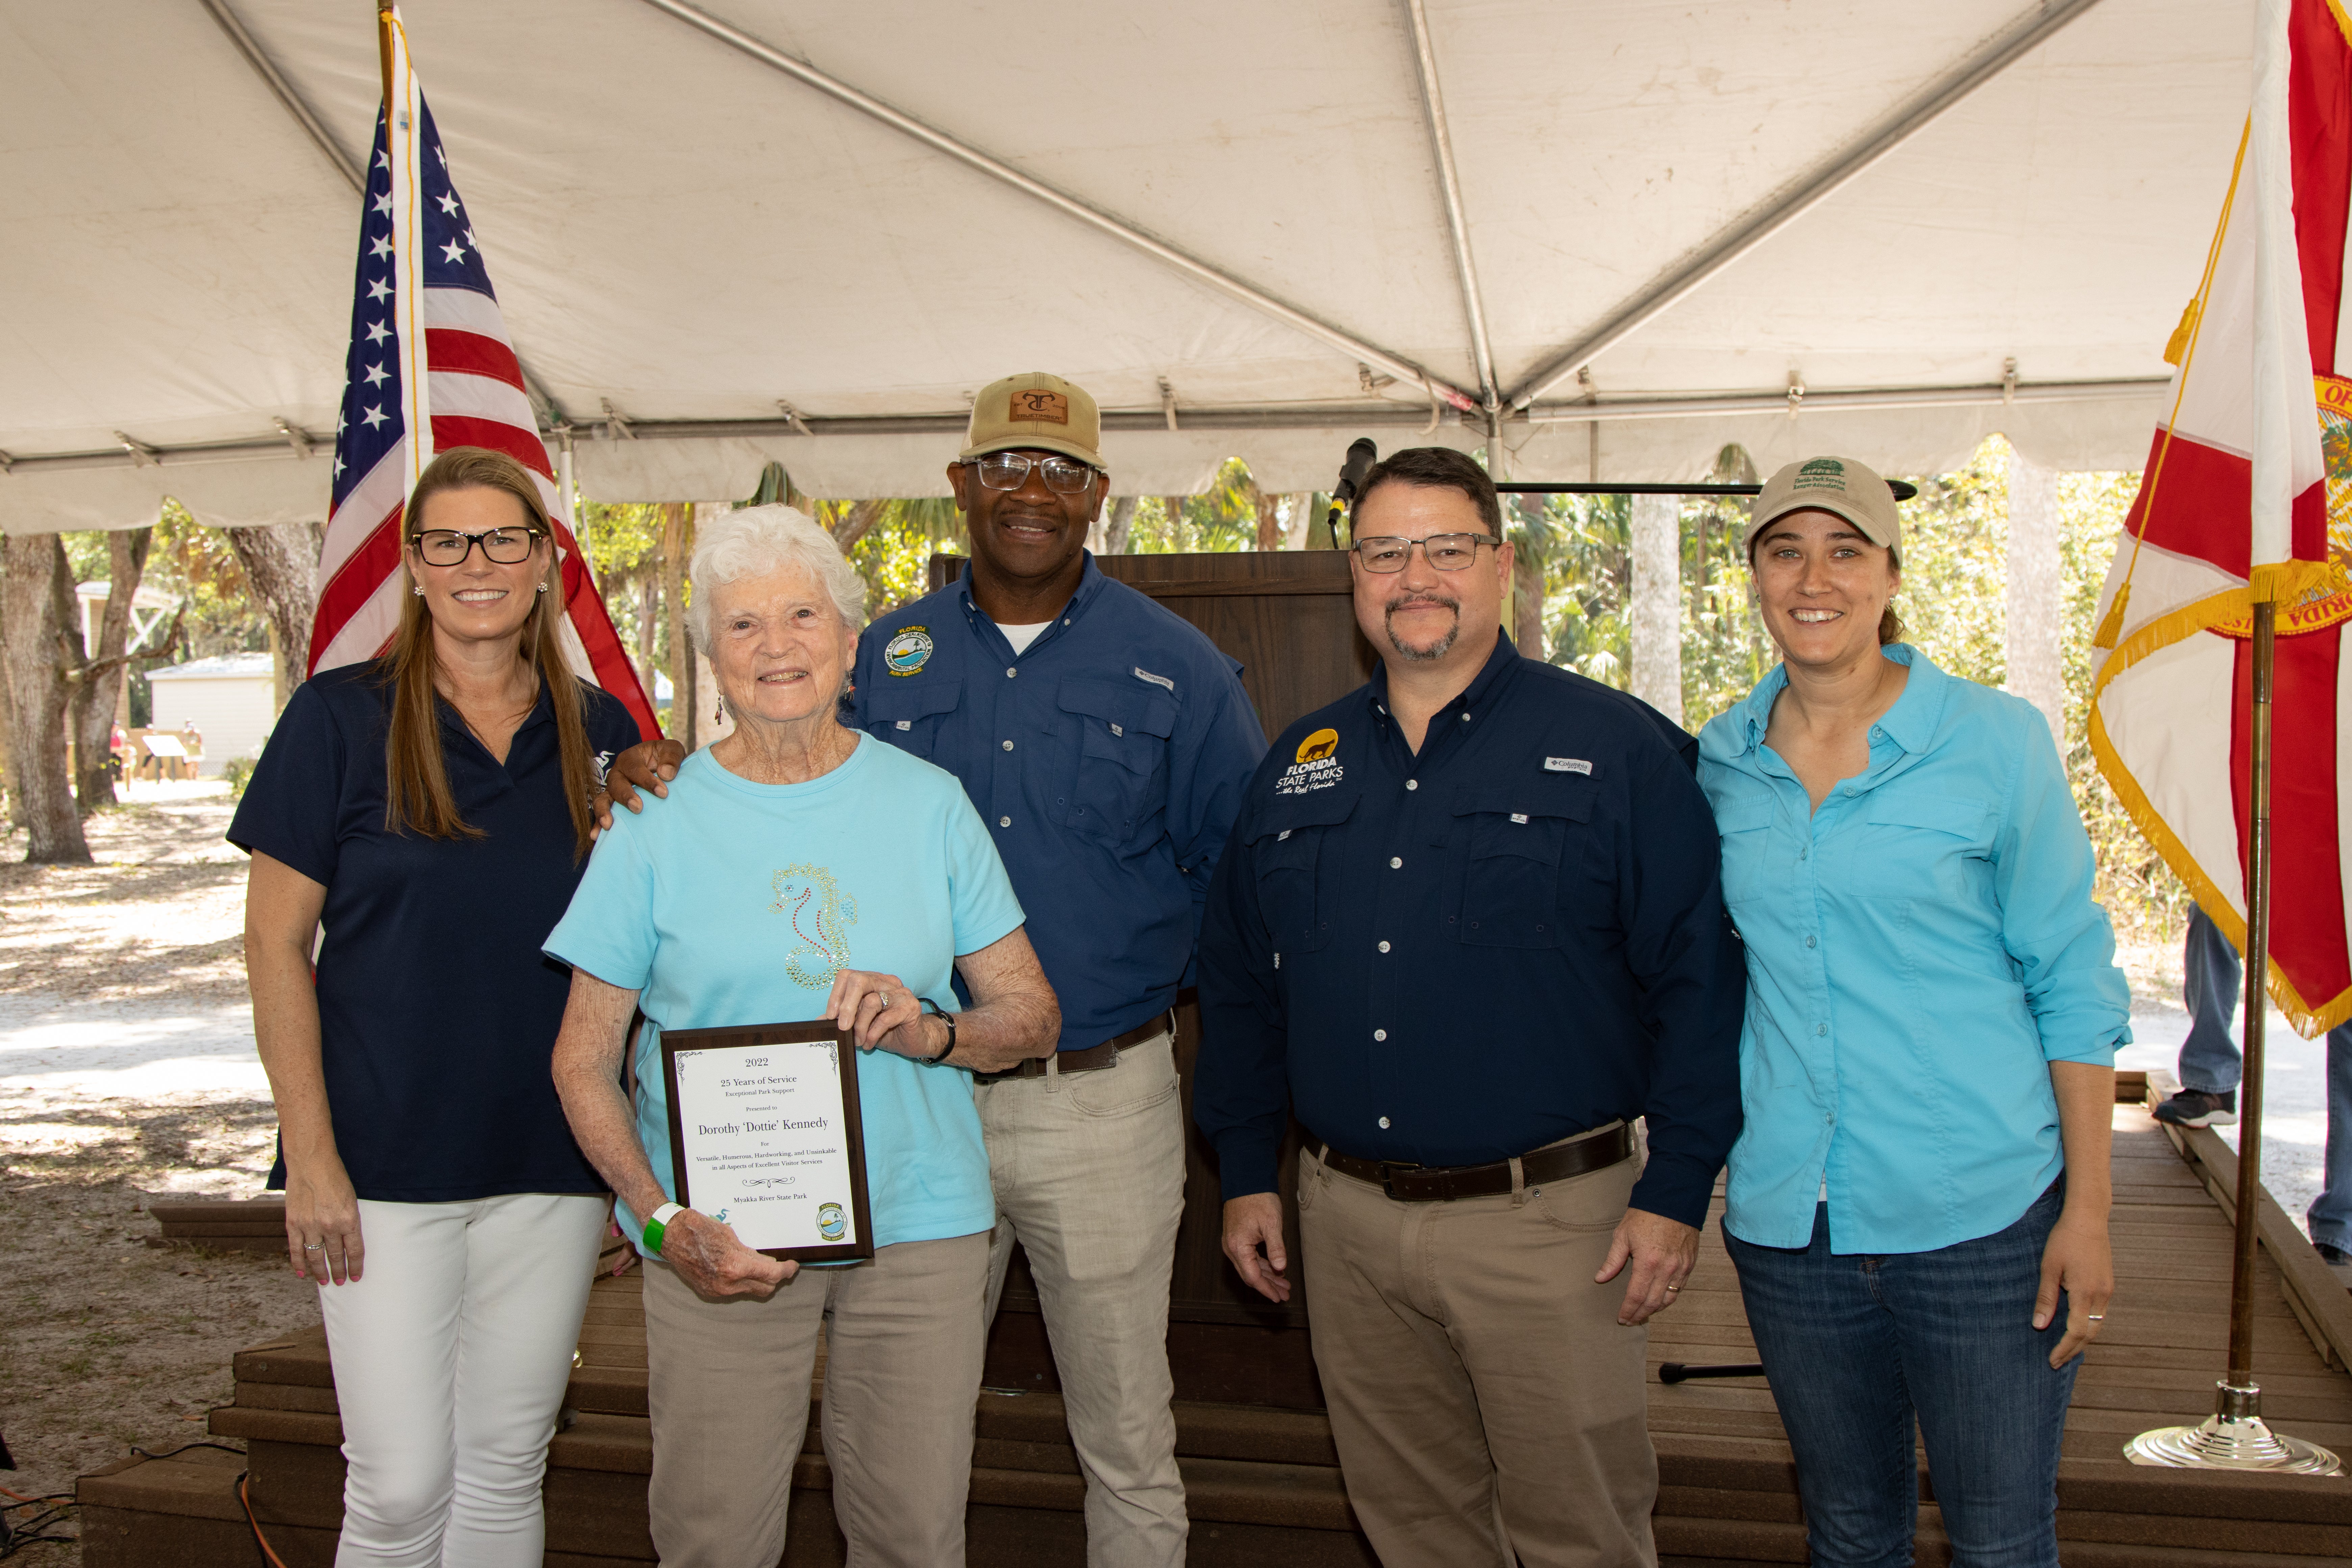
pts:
pixel 909 651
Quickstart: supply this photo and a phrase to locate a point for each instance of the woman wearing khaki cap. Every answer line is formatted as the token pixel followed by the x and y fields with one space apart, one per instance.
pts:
pixel 1917 1204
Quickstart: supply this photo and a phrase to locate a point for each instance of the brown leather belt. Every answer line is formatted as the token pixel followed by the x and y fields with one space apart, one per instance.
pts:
pixel 1094 1056
pixel 1439 1183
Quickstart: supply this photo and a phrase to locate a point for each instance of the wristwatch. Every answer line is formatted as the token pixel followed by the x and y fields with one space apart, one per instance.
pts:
pixel 948 1050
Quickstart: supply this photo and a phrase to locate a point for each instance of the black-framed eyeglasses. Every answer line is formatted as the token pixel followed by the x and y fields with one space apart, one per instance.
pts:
pixel 1010 471
pixel 1446 552
pixel 504 546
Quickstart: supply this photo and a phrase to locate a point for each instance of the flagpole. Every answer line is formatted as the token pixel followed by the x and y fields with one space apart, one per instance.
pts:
pixel 2235 1436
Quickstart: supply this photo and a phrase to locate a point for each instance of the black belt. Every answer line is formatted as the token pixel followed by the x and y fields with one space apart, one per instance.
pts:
pixel 1414 1184
pixel 1093 1056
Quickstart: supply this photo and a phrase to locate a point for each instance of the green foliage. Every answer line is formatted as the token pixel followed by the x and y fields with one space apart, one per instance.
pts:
pixel 1223 519
pixel 194 564
pixel 236 773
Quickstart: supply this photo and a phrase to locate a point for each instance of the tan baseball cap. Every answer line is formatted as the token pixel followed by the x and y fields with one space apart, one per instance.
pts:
pixel 1839 485
pixel 1034 410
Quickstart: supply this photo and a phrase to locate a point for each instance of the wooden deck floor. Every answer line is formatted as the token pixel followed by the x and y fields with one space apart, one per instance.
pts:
pixel 1264 1484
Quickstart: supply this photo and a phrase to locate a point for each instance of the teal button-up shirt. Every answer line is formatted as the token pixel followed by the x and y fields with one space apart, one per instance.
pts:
pixel 1919 951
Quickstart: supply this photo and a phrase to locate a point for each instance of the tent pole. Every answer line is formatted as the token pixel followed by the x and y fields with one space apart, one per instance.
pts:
pixel 2235 1436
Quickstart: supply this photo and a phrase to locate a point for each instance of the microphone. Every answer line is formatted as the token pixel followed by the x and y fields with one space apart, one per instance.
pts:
pixel 1360 457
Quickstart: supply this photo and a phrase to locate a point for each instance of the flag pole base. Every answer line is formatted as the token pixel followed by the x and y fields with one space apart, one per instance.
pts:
pixel 2234 1438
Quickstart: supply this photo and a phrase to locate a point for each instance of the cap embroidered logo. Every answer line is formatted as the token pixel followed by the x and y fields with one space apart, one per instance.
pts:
pixel 1039 406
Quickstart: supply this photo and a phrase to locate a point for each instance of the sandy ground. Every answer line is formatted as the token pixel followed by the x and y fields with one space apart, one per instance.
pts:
pixel 127 1069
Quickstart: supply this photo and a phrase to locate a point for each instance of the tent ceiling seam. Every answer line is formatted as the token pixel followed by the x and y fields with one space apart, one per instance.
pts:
pixel 131 453
pixel 1825 178
pixel 292 100
pixel 1449 181
pixel 284 91
pixel 1117 228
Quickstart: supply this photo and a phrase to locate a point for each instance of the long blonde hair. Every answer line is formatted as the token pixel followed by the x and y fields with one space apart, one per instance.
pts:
pixel 417 780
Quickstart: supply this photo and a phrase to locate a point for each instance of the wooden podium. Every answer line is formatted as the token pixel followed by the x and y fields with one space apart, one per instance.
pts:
pixel 1289 619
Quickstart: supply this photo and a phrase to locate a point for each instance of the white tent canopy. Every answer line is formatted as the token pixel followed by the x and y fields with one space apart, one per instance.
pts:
pixel 1255 228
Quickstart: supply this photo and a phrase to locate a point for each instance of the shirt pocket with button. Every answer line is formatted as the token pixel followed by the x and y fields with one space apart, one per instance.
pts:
pixel 910 714
pixel 1913 845
pixel 1515 839
pixel 1119 791
pixel 1287 849
pixel 1745 829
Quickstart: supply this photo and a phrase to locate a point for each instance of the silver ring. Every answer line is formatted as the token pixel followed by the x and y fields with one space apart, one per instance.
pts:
pixel 2094 1317
pixel 314 1247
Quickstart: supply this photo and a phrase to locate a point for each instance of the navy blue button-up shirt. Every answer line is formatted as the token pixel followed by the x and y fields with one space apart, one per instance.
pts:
pixel 1457 956
pixel 1107 760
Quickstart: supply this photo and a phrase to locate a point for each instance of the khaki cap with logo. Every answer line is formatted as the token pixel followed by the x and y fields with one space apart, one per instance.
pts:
pixel 1839 485
pixel 1038 411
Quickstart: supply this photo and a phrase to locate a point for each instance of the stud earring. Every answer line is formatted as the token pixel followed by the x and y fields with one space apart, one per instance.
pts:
pixel 543 587
pixel 418 590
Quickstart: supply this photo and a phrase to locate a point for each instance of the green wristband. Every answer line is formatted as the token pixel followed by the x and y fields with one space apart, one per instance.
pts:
pixel 657 1223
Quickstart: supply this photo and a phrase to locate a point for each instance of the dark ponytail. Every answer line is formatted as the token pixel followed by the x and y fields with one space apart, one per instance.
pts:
pixel 1890 624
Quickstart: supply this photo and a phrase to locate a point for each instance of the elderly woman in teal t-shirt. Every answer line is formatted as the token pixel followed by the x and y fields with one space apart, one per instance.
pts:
pixel 798 871
pixel 1917 1204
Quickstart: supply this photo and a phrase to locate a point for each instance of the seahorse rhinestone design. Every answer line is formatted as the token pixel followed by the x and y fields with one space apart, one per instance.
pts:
pixel 820 915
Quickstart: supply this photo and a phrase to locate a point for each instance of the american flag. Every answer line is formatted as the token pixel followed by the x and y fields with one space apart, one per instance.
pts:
pixel 429 353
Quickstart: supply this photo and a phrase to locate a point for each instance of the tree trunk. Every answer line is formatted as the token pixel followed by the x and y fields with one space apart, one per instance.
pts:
pixel 35 607
pixel 1269 519
pixel 1657 603
pixel 855 523
pixel 648 615
pixel 281 571
pixel 2034 619
pixel 1116 526
pixel 1175 507
pixel 94 697
pixel 1527 605
pixel 8 746
pixel 678 538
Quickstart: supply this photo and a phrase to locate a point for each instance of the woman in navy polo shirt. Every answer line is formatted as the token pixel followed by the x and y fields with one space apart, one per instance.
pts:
pixel 429 810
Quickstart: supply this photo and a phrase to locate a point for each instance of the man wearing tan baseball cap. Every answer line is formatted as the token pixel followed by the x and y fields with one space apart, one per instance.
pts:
pixel 1106 743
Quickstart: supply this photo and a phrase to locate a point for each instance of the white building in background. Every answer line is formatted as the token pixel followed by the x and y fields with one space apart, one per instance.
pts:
pixel 231 698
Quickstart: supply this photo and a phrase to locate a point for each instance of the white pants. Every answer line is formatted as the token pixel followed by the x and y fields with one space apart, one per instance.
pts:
pixel 451 1353
pixel 1089 1175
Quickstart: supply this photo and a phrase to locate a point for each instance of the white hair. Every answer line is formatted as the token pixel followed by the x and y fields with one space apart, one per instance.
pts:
pixel 754 540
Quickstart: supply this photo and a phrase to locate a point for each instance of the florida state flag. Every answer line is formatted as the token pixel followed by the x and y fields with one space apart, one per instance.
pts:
pixel 2248 494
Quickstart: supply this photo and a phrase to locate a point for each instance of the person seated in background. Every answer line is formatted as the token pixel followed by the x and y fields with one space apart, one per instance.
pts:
pixel 2210 1065
pixel 430 810
pixel 192 748
pixel 797 872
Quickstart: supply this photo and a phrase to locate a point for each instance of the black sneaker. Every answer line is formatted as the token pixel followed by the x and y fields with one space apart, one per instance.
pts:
pixel 2338 1261
pixel 2195 1108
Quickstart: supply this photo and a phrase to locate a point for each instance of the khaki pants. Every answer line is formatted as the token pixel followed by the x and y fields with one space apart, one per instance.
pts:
pixel 1484 1398
pixel 728 1388
pixel 1090 1176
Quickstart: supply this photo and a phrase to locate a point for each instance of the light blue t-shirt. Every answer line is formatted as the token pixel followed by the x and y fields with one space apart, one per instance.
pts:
pixel 734 904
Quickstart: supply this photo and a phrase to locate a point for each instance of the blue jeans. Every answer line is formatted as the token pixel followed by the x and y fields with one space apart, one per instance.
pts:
pixel 1856 1345
pixel 2210 971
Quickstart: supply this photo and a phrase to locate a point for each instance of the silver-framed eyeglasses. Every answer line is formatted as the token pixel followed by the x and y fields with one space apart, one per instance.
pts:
pixel 1010 471
pixel 447 547
pixel 1446 552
